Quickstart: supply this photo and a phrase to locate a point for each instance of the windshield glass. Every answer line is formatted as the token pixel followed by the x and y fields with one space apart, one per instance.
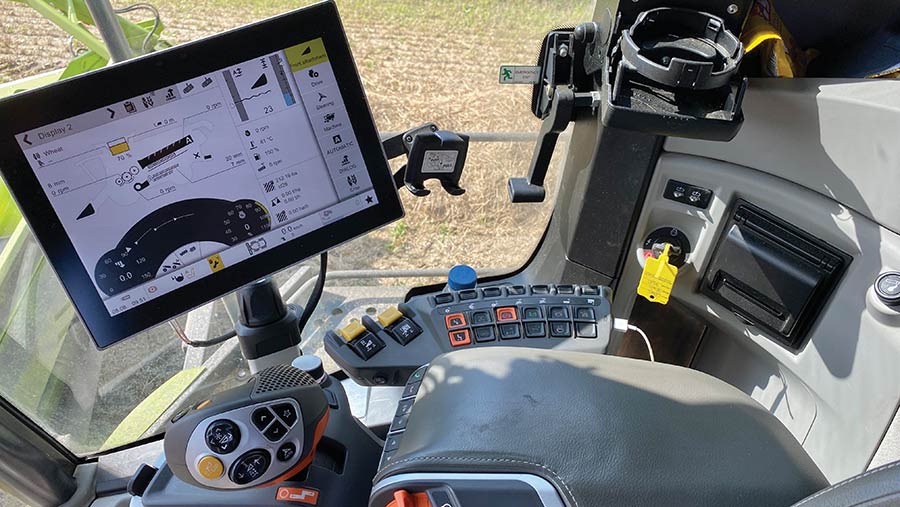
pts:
pixel 420 61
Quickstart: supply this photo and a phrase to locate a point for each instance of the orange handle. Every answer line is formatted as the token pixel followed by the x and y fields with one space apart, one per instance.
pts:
pixel 403 498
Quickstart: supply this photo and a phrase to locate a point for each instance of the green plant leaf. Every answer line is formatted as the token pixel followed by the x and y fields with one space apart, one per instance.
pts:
pixel 9 212
pixel 79 10
pixel 135 33
pixel 84 63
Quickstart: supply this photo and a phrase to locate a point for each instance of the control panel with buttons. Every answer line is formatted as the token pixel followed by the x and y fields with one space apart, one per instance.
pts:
pixel 379 352
pixel 398 425
pixel 260 433
pixel 340 474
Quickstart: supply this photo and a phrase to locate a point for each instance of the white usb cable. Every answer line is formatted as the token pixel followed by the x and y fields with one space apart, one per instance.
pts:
pixel 622 326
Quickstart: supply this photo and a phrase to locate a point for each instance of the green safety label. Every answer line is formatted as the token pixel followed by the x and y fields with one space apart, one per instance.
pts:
pixel 520 74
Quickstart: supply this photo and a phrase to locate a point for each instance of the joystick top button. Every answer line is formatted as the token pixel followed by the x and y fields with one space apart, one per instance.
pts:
pixel 261 418
pixel 223 436
pixel 286 412
pixel 210 467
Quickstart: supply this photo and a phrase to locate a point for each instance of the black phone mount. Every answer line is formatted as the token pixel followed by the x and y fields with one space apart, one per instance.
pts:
pixel 432 154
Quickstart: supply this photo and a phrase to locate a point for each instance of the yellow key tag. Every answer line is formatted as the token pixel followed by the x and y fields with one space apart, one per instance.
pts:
pixel 658 278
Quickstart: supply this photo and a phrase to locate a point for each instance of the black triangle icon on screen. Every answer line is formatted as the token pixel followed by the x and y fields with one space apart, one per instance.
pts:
pixel 307 51
pixel 86 212
pixel 262 81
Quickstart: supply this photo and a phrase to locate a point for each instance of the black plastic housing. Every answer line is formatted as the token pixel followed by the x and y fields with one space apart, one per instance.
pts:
pixel 673 73
pixel 773 274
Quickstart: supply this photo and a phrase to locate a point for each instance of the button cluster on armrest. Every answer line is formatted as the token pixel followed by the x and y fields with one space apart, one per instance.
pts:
pixel 401 416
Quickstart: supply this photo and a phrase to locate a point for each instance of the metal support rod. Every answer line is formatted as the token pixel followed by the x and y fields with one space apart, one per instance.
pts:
pixel 486 137
pixel 107 24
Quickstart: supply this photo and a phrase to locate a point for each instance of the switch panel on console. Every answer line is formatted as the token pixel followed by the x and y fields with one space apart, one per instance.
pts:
pixel 367 337
pixel 575 317
pixel 685 193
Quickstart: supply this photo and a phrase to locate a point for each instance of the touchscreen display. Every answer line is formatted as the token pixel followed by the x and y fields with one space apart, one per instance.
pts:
pixel 161 190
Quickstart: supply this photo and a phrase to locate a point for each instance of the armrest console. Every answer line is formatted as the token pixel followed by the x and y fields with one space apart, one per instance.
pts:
pixel 600 429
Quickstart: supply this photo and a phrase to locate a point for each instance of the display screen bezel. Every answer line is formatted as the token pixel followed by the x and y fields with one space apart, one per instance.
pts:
pixel 65 99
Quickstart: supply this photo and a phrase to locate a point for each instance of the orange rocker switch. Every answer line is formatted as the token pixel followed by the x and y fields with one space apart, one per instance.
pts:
pixel 455 320
pixel 403 498
pixel 460 337
pixel 506 314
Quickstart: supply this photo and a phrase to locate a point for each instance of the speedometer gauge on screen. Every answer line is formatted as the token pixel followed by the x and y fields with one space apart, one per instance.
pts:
pixel 164 182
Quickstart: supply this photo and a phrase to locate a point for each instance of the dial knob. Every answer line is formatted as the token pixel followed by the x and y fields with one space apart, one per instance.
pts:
pixel 887 288
pixel 311 365
pixel 462 277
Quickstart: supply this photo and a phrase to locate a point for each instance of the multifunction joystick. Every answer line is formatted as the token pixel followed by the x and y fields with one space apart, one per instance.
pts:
pixel 258 434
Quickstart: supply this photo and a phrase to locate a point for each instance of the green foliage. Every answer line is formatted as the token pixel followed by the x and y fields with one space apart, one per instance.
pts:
pixel 22 85
pixel 9 212
pixel 397 233
pixel 83 63
pixel 72 16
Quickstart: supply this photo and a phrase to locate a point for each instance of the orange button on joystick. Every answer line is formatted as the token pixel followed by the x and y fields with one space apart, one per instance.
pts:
pixel 403 498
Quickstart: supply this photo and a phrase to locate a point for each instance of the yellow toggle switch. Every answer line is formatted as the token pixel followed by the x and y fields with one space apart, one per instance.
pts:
pixel 352 330
pixel 389 316
pixel 210 467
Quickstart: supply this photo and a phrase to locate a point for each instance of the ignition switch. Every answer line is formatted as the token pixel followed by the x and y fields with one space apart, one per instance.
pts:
pixel 680 245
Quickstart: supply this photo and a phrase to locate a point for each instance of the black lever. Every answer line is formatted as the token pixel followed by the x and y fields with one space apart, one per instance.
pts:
pixel 563 103
pixel 531 189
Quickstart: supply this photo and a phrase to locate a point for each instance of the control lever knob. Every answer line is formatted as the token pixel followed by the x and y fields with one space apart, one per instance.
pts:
pixel 462 277
pixel 311 365
pixel 260 433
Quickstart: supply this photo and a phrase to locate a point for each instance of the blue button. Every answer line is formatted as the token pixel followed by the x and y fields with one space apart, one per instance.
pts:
pixel 462 277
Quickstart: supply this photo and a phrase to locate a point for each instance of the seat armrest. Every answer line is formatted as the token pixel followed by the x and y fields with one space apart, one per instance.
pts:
pixel 603 430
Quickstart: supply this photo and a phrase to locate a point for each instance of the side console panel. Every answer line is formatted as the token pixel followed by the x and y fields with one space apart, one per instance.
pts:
pixel 838 389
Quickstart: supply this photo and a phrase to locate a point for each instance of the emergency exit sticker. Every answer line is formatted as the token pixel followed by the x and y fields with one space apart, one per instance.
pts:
pixel 520 74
